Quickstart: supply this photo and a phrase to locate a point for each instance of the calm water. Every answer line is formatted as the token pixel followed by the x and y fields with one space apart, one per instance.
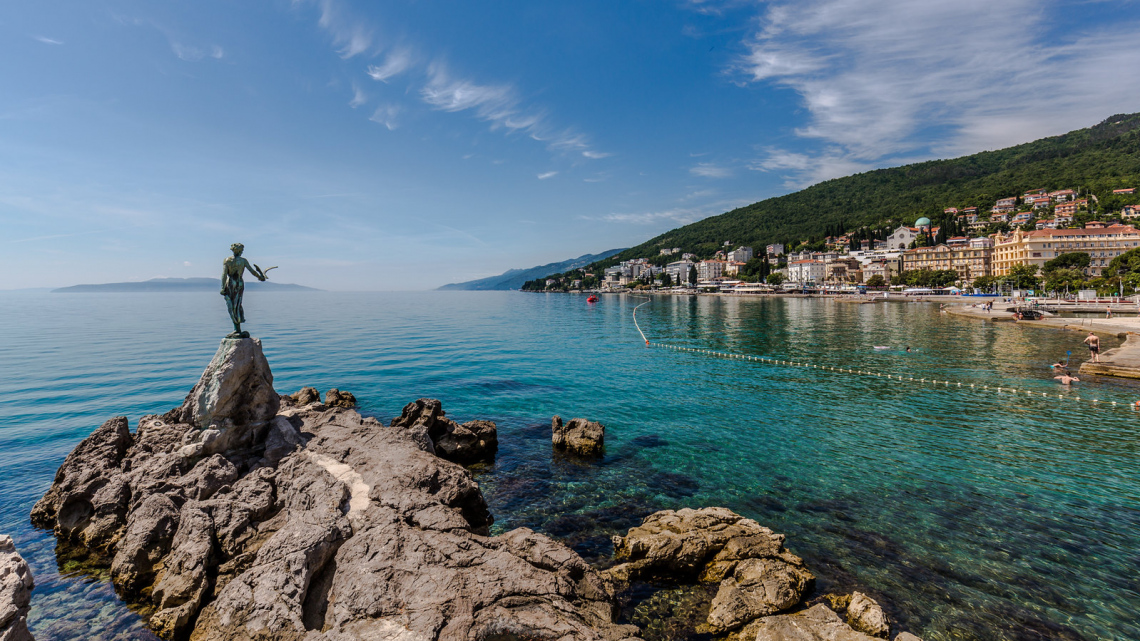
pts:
pixel 969 514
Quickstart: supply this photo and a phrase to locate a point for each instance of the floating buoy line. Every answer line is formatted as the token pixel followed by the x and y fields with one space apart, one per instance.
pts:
pixel 935 382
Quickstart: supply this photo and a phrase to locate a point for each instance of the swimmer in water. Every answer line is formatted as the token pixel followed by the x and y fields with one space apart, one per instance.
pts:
pixel 1066 379
pixel 908 349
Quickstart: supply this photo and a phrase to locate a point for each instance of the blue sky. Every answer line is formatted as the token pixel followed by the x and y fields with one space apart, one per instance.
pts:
pixel 411 143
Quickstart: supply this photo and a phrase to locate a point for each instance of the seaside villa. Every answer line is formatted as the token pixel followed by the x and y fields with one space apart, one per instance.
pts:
pixel 1037 247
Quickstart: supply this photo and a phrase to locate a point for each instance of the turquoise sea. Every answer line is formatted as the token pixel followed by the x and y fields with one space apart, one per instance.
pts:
pixel 968 513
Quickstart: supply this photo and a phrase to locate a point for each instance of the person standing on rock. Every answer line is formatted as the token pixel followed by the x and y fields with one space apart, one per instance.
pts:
pixel 1093 342
pixel 233 287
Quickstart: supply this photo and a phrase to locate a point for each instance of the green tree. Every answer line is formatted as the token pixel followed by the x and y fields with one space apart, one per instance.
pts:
pixel 1024 276
pixel 984 283
pixel 1071 260
pixel 876 281
pixel 665 280
pixel 776 278
pixel 1064 279
pixel 692 274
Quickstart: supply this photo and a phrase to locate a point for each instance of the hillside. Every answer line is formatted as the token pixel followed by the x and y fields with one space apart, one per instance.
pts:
pixel 174 285
pixel 514 278
pixel 1096 160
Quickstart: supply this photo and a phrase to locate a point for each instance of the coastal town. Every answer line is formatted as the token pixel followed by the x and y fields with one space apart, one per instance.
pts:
pixel 1057 241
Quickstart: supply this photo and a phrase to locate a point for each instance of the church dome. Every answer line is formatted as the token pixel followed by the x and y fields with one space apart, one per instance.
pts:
pixel 922 222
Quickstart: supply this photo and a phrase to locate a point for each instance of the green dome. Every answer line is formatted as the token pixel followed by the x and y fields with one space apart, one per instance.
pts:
pixel 922 222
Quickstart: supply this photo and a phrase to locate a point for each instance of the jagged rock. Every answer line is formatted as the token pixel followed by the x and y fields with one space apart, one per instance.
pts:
pixel 88 500
pixel 15 593
pixel 470 442
pixel 337 398
pixel 331 526
pixel 817 623
pixel 232 402
pixel 757 576
pixel 906 636
pixel 579 436
pixel 865 615
pixel 305 396
pixel 757 588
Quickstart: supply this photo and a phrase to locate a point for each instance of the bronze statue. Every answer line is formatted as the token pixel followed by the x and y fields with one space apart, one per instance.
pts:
pixel 233 287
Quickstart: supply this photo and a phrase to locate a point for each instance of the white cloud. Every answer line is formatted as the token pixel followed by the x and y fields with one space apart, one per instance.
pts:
pixel 548 174
pixel 47 41
pixel 352 36
pixel 186 263
pixel 358 97
pixel 191 53
pixel 674 216
pixel 217 53
pixel 884 78
pixel 397 62
pixel 386 115
pixel 709 170
pixel 595 155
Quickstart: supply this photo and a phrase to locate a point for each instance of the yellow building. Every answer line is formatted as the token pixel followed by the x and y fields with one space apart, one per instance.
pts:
pixel 970 259
pixel 1037 247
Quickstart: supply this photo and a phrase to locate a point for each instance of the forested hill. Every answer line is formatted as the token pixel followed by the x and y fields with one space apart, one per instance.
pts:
pixel 1097 160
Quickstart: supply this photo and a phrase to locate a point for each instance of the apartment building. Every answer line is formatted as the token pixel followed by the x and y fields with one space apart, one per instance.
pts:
pixel 1037 247
pixel 970 259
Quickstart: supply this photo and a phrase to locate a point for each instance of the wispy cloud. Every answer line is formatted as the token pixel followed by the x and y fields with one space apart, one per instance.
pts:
pixel 887 78
pixel 358 97
pixel 709 170
pixel 386 115
pixel 351 37
pixel 396 63
pixel 548 174
pixel 596 155
pixel 46 40
pixel 676 215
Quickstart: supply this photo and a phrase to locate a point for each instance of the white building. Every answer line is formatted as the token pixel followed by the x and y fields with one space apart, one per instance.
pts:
pixel 775 249
pixel 806 271
pixel 710 269
pixel 740 255
pixel 679 271
pixel 902 237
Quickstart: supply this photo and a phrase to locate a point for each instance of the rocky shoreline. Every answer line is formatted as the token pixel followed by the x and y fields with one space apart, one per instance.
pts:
pixel 243 514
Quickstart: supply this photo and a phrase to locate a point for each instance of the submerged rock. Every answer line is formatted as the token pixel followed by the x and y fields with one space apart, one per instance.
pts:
pixel 426 423
pixel 865 615
pixel 231 404
pixel 15 593
pixel 327 525
pixel 579 436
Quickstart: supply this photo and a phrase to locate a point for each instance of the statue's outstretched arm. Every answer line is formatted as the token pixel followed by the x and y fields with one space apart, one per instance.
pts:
pixel 256 271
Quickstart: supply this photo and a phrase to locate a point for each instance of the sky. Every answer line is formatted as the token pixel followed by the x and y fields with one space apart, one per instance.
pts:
pixel 410 143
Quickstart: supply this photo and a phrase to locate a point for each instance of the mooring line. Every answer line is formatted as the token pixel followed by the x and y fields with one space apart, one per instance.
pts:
pixel 945 383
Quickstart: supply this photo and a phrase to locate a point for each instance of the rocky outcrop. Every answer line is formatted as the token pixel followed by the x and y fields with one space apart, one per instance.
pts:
pixel 337 398
pixel 232 403
pixel 865 615
pixel 817 623
pixel 757 576
pixel 15 593
pixel 303 396
pixel 580 436
pixel 330 526
pixel 425 421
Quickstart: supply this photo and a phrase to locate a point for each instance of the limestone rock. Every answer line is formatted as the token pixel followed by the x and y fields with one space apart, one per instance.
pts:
pixel 757 576
pixel 305 396
pixel 337 398
pixel 468 443
pixel 906 636
pixel 757 588
pixel 579 436
pixel 865 615
pixel 323 525
pixel 817 623
pixel 15 593
pixel 88 500
pixel 232 402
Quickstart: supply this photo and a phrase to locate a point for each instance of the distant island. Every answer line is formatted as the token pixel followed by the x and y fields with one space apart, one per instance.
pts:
pixel 174 285
pixel 515 278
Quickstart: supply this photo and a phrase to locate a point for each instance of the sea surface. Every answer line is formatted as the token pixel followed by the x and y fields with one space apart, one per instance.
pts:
pixel 968 513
